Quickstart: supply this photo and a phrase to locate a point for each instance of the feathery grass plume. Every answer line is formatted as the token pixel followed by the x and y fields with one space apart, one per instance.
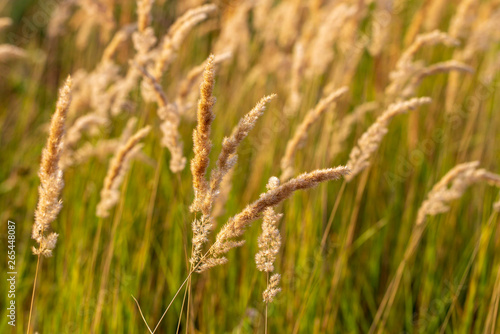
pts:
pixel 93 13
pixel 92 89
pixel 143 45
pixel 359 158
pixel 170 120
pixel 484 36
pixel 202 144
pixel 193 76
pixel 320 50
pixel 104 89
pixel 144 42
pixel 177 33
pixel 269 245
pixel 381 23
pixel 81 124
pixel 300 134
pixel 227 157
pixel 234 34
pixel 272 289
pixel 144 14
pixel 452 186
pixel 59 17
pixel 120 37
pixel 298 65
pixel 442 67
pixel 110 192
pixel 463 19
pixel 433 38
pixel 5 22
pixel 74 134
pixel 406 67
pixel 225 162
pixel 51 177
pixel 270 240
pixel 101 150
pixel 8 52
pixel 283 23
pixel 343 128
pixel 236 225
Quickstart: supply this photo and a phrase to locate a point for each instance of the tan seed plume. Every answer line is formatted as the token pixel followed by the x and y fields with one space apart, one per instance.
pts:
pixel 272 289
pixel 369 142
pixel 406 67
pixel 227 159
pixel 102 149
pixel 170 120
pixel 298 66
pixel 51 177
pixel 342 129
pixel 202 144
pixel 452 186
pixel 227 156
pixel 270 240
pixel 237 225
pixel 144 14
pixel 110 192
pixel 300 134
pixel 442 67
pixel 177 34
pixel 120 37
pixel 81 124
pixel 463 19
pixel 193 76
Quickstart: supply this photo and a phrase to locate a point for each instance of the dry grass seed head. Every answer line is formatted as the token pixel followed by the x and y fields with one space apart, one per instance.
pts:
pixel 237 225
pixel 452 186
pixel 272 289
pixel 360 156
pixel 202 144
pixel 300 134
pixel 51 177
pixel 116 172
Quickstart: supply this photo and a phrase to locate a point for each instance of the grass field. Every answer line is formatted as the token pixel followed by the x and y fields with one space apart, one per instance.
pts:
pixel 377 251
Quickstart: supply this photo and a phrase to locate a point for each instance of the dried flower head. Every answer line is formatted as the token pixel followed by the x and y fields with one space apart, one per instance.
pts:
pixel 225 162
pixel 407 68
pixel 118 167
pixel 359 158
pixel 300 134
pixel 237 225
pixel 51 177
pixel 272 289
pixel 270 240
pixel 452 186
pixel 202 144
